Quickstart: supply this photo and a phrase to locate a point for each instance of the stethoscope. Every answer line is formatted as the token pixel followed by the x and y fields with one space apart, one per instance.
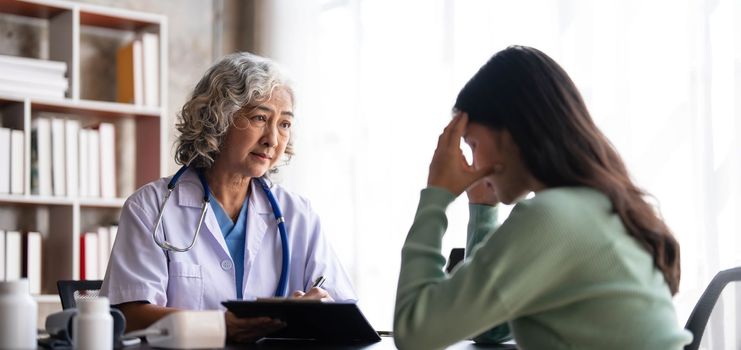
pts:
pixel 280 291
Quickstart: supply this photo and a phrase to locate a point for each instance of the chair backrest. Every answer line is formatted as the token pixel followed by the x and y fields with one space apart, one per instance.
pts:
pixel 701 313
pixel 456 256
pixel 70 291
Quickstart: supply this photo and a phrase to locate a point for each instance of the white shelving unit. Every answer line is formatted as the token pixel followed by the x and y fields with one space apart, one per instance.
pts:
pixel 62 219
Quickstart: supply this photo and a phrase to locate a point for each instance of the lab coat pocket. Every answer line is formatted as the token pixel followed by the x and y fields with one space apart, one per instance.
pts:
pixel 185 287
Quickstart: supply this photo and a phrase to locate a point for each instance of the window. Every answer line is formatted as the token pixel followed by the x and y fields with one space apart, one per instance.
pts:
pixel 377 79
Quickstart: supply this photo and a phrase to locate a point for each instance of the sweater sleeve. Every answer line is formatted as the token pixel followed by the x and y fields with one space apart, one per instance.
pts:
pixel 482 221
pixel 434 310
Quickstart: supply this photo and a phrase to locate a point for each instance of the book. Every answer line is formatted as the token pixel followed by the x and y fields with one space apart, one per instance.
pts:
pixel 93 162
pixel 71 137
pixel 12 255
pixel 58 159
pixel 51 83
pixel 151 68
pixel 2 255
pixel 41 157
pixel 23 90
pixel 84 166
pixel 33 76
pixel 104 249
pixel 129 75
pixel 32 64
pixel 32 261
pixel 107 160
pixel 125 157
pixel 89 256
pixel 112 231
pixel 16 161
pixel 5 168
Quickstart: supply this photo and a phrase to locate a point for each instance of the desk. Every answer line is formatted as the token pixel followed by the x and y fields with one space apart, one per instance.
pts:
pixel 386 343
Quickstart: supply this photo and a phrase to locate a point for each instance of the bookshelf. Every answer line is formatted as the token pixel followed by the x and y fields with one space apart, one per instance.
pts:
pixel 141 130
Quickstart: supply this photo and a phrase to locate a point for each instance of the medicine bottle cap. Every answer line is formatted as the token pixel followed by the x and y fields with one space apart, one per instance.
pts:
pixel 93 305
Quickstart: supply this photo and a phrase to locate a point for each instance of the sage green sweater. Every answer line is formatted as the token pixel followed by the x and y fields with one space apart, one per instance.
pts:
pixel 561 269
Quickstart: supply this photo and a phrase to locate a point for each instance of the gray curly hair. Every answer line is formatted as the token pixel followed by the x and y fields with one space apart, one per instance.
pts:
pixel 237 80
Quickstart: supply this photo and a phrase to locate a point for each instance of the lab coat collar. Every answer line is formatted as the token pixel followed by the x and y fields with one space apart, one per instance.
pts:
pixel 258 226
pixel 259 200
pixel 190 194
pixel 189 190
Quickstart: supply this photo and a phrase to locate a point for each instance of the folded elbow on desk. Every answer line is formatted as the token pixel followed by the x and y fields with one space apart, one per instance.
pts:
pixel 407 333
pixel 403 341
pixel 411 341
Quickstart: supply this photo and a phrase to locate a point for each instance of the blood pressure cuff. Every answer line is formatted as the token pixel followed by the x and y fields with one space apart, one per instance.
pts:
pixel 59 327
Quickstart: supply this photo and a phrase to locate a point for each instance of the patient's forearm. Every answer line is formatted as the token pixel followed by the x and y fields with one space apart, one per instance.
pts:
pixel 141 315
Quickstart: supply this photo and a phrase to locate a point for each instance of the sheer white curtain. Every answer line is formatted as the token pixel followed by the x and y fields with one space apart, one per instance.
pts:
pixel 376 81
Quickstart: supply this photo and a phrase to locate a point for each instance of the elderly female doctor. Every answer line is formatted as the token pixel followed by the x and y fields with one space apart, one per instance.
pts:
pixel 234 130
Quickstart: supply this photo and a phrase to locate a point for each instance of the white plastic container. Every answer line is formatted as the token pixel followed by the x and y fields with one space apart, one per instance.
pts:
pixel 92 328
pixel 17 316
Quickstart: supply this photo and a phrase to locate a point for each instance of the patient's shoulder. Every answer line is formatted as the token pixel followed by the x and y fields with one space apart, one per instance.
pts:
pixel 569 202
pixel 567 212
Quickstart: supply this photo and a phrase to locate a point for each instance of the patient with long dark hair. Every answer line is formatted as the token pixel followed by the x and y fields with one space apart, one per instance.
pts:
pixel 584 263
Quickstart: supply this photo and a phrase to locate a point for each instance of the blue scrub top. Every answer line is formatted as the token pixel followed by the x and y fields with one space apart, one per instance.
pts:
pixel 234 235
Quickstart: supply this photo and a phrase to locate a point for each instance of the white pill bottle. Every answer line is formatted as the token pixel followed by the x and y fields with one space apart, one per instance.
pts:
pixel 17 315
pixel 92 327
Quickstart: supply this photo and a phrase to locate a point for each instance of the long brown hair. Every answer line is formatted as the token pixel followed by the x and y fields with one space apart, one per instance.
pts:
pixel 524 91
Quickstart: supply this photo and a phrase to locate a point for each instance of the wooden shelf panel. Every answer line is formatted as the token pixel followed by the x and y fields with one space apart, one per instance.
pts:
pixel 34 200
pixel 30 8
pixel 7 101
pixel 116 18
pixel 96 108
pixel 84 107
pixel 9 98
pixel 102 202
pixel 92 15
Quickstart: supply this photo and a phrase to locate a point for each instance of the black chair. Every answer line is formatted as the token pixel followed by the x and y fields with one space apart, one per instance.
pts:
pixel 70 291
pixel 701 313
pixel 456 256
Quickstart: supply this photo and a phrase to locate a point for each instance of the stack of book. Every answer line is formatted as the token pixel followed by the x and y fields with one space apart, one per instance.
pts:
pixel 32 77
pixel 67 160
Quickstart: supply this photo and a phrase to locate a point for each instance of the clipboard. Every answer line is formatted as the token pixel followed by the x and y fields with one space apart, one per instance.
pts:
pixel 331 322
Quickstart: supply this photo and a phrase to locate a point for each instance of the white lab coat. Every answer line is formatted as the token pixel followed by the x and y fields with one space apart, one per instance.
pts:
pixel 203 277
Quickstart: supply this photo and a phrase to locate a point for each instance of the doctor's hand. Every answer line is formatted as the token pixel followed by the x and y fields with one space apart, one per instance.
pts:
pixel 315 293
pixel 247 330
pixel 449 169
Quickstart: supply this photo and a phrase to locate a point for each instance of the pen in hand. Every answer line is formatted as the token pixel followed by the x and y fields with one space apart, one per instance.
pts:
pixel 315 294
pixel 319 282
